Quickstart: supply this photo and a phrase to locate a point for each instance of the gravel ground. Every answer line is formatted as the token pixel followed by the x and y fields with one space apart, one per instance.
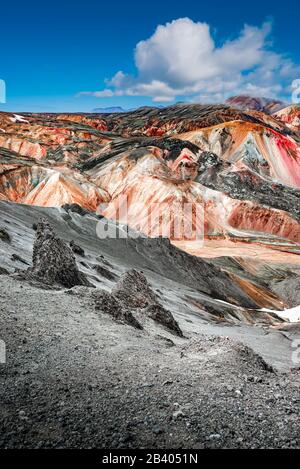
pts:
pixel 75 378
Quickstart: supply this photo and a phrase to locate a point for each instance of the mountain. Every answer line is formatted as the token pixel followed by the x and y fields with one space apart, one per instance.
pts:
pixel 118 109
pixel 250 103
pixel 149 268
pixel 108 110
pixel 238 172
pixel 290 116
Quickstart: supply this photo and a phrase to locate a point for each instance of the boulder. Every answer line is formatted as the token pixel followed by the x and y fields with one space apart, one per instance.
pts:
pixel 53 260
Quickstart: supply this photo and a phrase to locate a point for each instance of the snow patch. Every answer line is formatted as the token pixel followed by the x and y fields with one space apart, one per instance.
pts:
pixel 290 315
pixel 18 118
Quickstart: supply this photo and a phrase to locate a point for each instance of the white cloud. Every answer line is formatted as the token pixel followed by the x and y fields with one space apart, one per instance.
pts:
pixel 107 93
pixel 181 59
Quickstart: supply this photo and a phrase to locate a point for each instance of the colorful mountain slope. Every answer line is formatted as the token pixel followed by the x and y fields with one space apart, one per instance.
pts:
pixel 250 103
pixel 268 152
pixel 238 172
pixel 290 116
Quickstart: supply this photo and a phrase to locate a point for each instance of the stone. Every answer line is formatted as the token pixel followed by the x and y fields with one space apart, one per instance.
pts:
pixel 54 262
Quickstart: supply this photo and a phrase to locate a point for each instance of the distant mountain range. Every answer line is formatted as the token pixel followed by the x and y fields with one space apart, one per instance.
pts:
pixel 108 110
pixel 119 109
pixel 241 102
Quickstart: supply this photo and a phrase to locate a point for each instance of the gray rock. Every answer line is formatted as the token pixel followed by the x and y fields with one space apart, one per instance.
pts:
pixel 4 235
pixel 53 260
pixel 109 304
pixel 134 291
pixel 164 317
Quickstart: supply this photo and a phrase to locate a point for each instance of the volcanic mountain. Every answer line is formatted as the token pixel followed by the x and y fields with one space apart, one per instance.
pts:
pixel 250 103
pixel 238 172
pixel 290 116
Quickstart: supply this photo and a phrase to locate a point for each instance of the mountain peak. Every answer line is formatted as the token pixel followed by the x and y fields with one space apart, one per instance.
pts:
pixel 252 103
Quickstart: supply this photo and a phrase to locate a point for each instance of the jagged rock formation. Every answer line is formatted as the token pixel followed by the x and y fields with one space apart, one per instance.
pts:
pixel 82 380
pixel 109 304
pixel 53 261
pixel 159 314
pixel 133 291
pixel 177 264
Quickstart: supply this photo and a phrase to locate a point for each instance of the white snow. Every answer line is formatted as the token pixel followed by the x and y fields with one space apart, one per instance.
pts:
pixel 18 118
pixel 290 315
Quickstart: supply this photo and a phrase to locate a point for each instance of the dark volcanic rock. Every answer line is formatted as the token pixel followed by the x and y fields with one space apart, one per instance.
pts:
pixel 17 258
pixel 248 355
pixel 176 264
pixel 77 249
pixel 4 235
pixel 247 185
pixel 53 260
pixel 159 314
pixel 181 117
pixel 110 305
pixel 76 208
pixel 134 291
pixel 104 272
pixel 3 271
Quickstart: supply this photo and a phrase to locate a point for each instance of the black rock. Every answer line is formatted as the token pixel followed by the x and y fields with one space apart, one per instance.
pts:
pixel 53 260
pixel 159 314
pixel 134 291
pixel 76 208
pixel 3 271
pixel 104 272
pixel 17 258
pixel 77 249
pixel 4 235
pixel 108 304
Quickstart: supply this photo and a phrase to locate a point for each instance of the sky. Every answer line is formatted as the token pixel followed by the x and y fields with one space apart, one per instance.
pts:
pixel 67 56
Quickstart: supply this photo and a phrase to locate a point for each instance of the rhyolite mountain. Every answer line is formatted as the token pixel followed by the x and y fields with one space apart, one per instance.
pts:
pixel 251 103
pixel 241 166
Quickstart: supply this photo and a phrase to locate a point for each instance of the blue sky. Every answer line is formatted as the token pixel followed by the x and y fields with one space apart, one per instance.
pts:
pixel 57 55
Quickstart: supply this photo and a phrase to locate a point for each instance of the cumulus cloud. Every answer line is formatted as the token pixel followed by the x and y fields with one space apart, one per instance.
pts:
pixel 181 59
